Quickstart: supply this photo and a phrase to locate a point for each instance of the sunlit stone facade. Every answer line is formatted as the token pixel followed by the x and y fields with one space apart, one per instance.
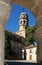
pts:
pixel 23 23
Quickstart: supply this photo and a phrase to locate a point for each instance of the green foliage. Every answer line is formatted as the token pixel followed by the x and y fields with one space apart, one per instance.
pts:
pixel 7 45
pixel 29 35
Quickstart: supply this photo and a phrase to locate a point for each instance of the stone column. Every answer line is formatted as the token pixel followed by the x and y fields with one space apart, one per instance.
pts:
pixel 4 14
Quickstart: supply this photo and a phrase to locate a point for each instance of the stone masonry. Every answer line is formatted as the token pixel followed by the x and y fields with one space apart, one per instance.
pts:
pixel 4 15
pixel 35 6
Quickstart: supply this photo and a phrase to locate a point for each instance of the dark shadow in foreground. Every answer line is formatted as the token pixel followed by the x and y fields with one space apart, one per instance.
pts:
pixel 20 63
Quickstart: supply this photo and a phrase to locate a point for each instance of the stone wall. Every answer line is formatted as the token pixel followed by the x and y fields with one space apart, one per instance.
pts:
pixel 4 14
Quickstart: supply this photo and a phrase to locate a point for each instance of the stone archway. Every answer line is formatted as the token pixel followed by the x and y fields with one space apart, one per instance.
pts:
pixel 35 6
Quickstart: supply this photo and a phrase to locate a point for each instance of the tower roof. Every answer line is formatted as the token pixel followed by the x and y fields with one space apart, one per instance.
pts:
pixel 23 15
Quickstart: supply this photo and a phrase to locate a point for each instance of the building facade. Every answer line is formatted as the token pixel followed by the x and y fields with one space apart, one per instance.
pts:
pixel 16 44
pixel 31 53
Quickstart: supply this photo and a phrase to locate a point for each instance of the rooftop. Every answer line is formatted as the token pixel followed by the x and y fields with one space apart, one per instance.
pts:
pixel 28 47
pixel 15 37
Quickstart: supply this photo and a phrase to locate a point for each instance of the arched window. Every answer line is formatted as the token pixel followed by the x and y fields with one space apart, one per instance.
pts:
pixel 20 22
pixel 30 51
pixel 24 21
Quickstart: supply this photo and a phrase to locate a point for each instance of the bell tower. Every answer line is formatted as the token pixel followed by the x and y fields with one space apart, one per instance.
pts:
pixel 23 23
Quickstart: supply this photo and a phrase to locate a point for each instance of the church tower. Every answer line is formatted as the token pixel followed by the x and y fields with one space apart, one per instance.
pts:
pixel 23 23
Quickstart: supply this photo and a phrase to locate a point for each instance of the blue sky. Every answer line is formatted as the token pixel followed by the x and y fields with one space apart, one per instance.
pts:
pixel 12 23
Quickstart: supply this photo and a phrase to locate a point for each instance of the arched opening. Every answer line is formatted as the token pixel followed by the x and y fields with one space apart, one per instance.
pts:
pixel 11 28
pixel 24 21
pixel 20 22
pixel 36 8
pixel 15 16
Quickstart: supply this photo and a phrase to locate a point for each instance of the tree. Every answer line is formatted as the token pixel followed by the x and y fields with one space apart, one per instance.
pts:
pixel 7 45
pixel 29 35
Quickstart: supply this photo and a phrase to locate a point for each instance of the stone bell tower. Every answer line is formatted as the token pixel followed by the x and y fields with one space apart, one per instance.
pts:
pixel 23 23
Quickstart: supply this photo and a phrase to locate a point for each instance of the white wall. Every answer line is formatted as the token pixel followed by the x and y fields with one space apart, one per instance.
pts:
pixel 34 56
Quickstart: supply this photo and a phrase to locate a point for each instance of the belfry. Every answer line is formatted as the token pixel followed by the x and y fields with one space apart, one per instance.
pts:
pixel 23 23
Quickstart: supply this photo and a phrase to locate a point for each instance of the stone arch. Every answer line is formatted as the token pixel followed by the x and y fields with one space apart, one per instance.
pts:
pixel 35 6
